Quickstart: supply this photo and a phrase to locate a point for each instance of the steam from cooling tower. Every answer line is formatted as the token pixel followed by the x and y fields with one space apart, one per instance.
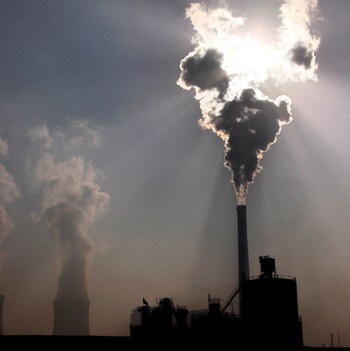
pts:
pixel 228 70
pixel 72 201
pixel 8 194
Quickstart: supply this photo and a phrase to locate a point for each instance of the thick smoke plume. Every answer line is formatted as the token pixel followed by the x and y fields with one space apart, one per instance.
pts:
pixel 228 71
pixel 72 201
pixel 8 194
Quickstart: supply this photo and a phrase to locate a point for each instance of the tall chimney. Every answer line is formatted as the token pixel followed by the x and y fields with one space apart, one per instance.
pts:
pixel 2 297
pixel 243 259
pixel 71 317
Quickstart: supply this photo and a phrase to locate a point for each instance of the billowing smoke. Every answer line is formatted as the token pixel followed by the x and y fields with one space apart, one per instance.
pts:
pixel 72 201
pixel 228 71
pixel 8 194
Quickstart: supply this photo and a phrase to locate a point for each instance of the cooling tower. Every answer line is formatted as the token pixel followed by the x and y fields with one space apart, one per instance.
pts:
pixel 2 297
pixel 243 259
pixel 71 317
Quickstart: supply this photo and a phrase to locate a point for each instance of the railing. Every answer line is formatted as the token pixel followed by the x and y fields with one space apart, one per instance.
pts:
pixel 274 276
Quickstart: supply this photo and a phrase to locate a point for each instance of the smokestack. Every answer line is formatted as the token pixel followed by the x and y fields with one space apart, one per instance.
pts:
pixel 2 297
pixel 71 317
pixel 243 259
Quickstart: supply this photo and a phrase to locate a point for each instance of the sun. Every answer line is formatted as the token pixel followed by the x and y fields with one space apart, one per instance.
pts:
pixel 246 60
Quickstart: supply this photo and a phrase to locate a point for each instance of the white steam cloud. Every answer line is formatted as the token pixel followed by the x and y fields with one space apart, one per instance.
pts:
pixel 8 194
pixel 72 201
pixel 41 135
pixel 228 70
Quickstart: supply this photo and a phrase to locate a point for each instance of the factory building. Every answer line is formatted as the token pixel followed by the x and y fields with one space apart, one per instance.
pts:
pixel 164 320
pixel 268 308
pixel 268 315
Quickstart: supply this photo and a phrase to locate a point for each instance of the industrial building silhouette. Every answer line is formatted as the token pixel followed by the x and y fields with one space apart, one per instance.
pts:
pixel 268 308
pixel 268 315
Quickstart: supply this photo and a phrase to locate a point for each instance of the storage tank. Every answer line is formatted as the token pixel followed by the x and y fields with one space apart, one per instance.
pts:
pixel 270 309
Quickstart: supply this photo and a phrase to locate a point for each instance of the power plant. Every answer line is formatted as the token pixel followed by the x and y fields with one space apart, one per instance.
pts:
pixel 268 314
pixel 268 308
pixel 71 317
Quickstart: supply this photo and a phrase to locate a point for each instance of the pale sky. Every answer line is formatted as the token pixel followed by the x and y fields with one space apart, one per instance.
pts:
pixel 170 226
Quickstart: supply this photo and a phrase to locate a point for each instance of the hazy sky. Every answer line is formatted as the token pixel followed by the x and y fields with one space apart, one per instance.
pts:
pixel 101 77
